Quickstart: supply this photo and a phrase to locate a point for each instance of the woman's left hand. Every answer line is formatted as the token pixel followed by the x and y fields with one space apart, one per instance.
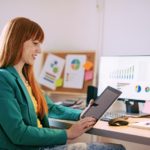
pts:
pixel 89 105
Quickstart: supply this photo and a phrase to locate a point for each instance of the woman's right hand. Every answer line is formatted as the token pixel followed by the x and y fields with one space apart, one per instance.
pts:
pixel 80 127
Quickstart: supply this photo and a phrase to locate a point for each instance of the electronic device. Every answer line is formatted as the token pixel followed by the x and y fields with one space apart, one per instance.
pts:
pixel 118 122
pixel 112 115
pixel 129 74
pixel 69 102
pixel 91 93
pixel 102 103
pixel 122 114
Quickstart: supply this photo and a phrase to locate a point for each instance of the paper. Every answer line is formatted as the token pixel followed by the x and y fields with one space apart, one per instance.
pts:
pixel 51 71
pixel 59 82
pixel 142 124
pixel 146 108
pixel 74 71
pixel 88 65
pixel 88 75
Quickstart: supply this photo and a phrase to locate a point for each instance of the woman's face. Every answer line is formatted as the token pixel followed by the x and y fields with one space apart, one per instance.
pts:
pixel 30 50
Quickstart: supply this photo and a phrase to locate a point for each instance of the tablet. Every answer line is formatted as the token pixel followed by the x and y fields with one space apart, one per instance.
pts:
pixel 102 103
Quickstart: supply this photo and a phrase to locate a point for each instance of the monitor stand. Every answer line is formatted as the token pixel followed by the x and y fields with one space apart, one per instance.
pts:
pixel 132 107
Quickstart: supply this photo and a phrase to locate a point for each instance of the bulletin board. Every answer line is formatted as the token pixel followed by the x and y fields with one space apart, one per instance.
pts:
pixel 90 56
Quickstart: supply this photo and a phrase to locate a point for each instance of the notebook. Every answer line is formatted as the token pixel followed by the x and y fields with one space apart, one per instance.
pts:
pixel 102 103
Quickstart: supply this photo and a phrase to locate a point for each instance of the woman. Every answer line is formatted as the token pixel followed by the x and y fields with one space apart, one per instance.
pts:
pixel 23 108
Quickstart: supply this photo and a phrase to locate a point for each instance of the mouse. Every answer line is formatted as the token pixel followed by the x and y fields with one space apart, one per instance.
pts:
pixel 118 122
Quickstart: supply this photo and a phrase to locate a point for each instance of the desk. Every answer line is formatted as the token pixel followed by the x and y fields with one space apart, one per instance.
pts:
pixel 101 128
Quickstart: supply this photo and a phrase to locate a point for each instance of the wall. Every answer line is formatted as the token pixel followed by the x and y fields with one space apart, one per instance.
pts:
pixel 126 27
pixel 68 24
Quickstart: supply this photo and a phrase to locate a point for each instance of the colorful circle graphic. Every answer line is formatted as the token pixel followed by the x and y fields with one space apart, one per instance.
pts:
pixel 138 88
pixel 55 69
pixel 75 64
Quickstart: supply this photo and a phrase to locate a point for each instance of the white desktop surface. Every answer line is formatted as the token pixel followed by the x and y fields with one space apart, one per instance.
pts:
pixel 101 128
pixel 136 135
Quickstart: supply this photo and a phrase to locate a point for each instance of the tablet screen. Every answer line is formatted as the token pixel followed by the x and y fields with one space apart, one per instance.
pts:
pixel 102 103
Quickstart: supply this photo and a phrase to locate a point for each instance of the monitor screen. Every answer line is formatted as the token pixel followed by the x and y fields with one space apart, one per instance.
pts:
pixel 129 74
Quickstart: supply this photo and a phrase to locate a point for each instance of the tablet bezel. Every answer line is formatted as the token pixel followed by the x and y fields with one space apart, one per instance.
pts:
pixel 100 101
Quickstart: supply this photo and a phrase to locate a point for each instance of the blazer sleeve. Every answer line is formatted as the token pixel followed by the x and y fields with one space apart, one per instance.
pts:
pixel 13 126
pixel 62 112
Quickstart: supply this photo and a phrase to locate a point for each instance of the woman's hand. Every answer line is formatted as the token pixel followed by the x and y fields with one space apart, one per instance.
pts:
pixel 89 105
pixel 80 127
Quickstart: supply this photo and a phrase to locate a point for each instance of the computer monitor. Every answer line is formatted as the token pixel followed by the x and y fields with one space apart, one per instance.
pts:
pixel 130 74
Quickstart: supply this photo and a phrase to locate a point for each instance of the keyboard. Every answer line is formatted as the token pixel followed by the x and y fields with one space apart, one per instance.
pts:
pixel 111 115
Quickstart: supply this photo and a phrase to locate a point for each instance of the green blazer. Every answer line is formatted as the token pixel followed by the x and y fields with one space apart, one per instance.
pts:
pixel 18 120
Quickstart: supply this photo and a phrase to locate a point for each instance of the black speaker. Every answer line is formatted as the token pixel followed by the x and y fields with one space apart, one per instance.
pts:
pixel 91 93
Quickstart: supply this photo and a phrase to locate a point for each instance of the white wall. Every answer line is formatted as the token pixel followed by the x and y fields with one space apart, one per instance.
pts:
pixel 126 28
pixel 68 24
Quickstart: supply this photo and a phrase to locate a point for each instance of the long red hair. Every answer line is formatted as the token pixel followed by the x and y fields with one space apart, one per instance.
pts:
pixel 15 33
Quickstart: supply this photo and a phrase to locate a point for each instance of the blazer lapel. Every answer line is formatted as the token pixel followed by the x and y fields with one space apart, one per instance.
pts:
pixel 24 90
